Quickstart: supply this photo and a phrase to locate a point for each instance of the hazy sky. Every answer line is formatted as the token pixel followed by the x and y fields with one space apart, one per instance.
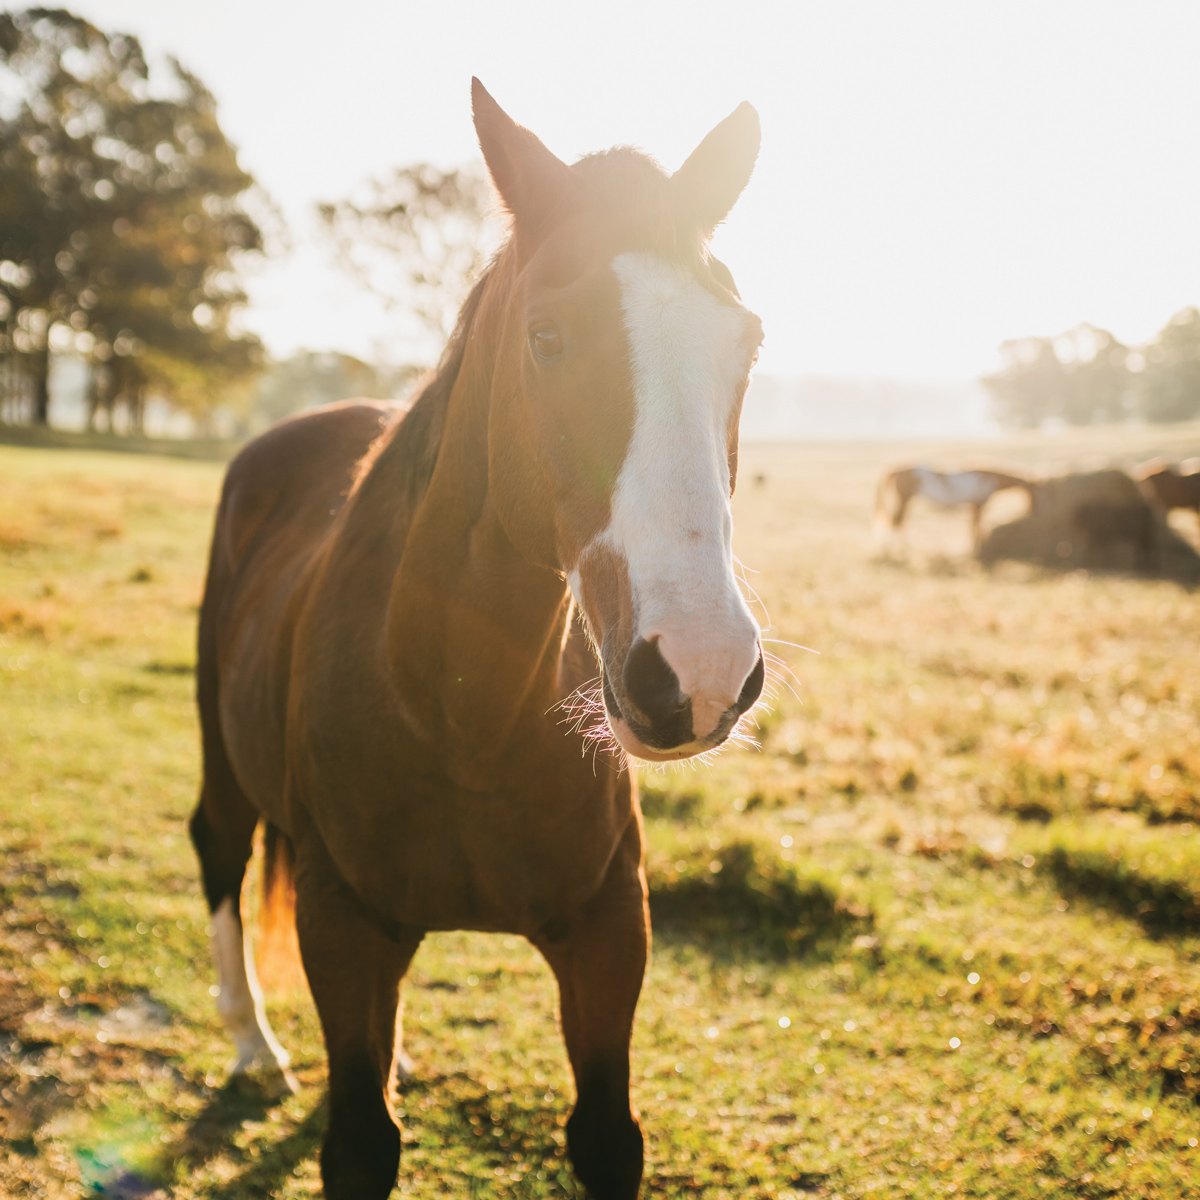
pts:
pixel 934 178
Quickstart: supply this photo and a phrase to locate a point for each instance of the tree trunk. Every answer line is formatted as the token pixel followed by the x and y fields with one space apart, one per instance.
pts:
pixel 39 366
pixel 137 410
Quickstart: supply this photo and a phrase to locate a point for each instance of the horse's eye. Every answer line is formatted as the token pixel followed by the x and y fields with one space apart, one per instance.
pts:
pixel 547 343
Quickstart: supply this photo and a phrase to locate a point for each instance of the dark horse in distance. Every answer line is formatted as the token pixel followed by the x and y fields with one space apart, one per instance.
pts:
pixel 399 606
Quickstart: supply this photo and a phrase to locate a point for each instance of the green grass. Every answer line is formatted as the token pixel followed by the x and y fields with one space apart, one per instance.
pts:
pixel 939 937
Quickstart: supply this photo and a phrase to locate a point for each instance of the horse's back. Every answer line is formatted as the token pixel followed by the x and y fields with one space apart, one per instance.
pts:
pixel 298 469
pixel 948 489
pixel 976 485
pixel 281 496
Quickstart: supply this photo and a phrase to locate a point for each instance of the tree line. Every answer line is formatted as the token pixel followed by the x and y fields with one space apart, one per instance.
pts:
pixel 127 223
pixel 1088 376
pixel 124 219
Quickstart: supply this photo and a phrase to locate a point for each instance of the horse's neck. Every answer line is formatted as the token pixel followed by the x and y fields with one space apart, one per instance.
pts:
pixel 475 631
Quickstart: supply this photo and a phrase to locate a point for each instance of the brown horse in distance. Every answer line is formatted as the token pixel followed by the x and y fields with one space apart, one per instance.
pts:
pixel 974 488
pixel 399 606
pixel 1168 488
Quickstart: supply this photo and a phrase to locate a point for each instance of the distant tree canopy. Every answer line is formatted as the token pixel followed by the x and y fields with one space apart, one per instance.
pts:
pixel 1170 388
pixel 416 239
pixel 309 378
pixel 122 217
pixel 1086 376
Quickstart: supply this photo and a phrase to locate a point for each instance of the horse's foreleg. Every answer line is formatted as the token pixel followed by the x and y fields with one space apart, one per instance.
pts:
pixel 354 967
pixel 599 962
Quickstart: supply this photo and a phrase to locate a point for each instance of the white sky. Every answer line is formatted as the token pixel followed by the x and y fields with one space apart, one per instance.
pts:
pixel 934 178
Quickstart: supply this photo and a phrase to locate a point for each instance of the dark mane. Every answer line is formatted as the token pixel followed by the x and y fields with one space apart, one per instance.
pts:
pixel 402 457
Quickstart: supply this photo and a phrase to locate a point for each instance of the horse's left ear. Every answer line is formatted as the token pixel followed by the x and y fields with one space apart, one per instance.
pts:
pixel 533 183
pixel 705 188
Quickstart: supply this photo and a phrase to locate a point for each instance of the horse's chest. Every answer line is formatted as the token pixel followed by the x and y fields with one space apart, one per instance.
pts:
pixel 441 858
pixel 518 872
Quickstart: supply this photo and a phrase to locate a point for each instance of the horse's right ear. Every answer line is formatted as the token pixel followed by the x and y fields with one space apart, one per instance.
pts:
pixel 534 184
pixel 705 187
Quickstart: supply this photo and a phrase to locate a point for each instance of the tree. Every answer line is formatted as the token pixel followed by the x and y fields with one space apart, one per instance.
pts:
pixel 122 214
pixel 309 378
pixel 1029 386
pixel 1170 378
pixel 1096 375
pixel 1080 377
pixel 416 239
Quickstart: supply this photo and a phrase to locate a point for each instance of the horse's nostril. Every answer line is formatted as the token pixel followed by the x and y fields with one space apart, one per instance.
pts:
pixel 752 688
pixel 649 681
pixel 653 688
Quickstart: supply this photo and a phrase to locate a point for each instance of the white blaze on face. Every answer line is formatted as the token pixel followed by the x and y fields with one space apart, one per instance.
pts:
pixel 671 516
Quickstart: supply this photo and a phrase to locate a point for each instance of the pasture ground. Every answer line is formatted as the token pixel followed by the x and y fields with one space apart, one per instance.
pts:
pixel 941 936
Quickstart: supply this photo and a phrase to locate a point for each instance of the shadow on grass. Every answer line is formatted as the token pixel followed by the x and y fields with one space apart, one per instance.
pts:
pixel 1165 907
pixel 212 1132
pixel 510 1140
pixel 746 902
pixel 170 668
pixel 279 1159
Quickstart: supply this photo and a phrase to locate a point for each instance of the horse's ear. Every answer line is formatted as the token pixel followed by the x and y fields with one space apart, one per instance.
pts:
pixel 705 188
pixel 532 182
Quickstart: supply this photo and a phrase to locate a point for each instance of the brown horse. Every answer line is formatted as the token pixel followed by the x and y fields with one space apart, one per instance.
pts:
pixel 973 488
pixel 398 607
pixel 1167 488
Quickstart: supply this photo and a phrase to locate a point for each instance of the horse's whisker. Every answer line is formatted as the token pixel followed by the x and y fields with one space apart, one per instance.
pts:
pixel 754 597
pixel 794 645
pixel 775 668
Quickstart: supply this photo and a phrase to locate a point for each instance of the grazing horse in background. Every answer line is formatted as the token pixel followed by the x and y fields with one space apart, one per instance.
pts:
pixel 1167 488
pixel 974 488
pixel 1100 528
pixel 399 608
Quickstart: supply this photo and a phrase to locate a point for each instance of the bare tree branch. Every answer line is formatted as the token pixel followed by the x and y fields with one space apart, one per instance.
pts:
pixel 417 239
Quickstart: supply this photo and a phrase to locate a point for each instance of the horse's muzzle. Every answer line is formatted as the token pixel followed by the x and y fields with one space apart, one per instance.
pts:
pixel 652 718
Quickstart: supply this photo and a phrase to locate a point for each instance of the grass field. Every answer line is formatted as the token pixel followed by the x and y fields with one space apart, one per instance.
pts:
pixel 941 936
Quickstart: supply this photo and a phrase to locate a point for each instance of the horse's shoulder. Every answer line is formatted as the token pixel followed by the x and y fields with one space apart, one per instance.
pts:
pixel 303 465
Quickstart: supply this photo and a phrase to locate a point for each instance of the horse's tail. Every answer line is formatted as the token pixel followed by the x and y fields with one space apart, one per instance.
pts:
pixel 881 519
pixel 278 955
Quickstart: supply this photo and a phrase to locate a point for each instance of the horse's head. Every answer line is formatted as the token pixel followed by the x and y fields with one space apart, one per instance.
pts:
pixel 621 366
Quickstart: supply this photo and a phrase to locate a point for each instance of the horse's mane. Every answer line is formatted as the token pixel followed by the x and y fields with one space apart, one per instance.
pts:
pixel 402 457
